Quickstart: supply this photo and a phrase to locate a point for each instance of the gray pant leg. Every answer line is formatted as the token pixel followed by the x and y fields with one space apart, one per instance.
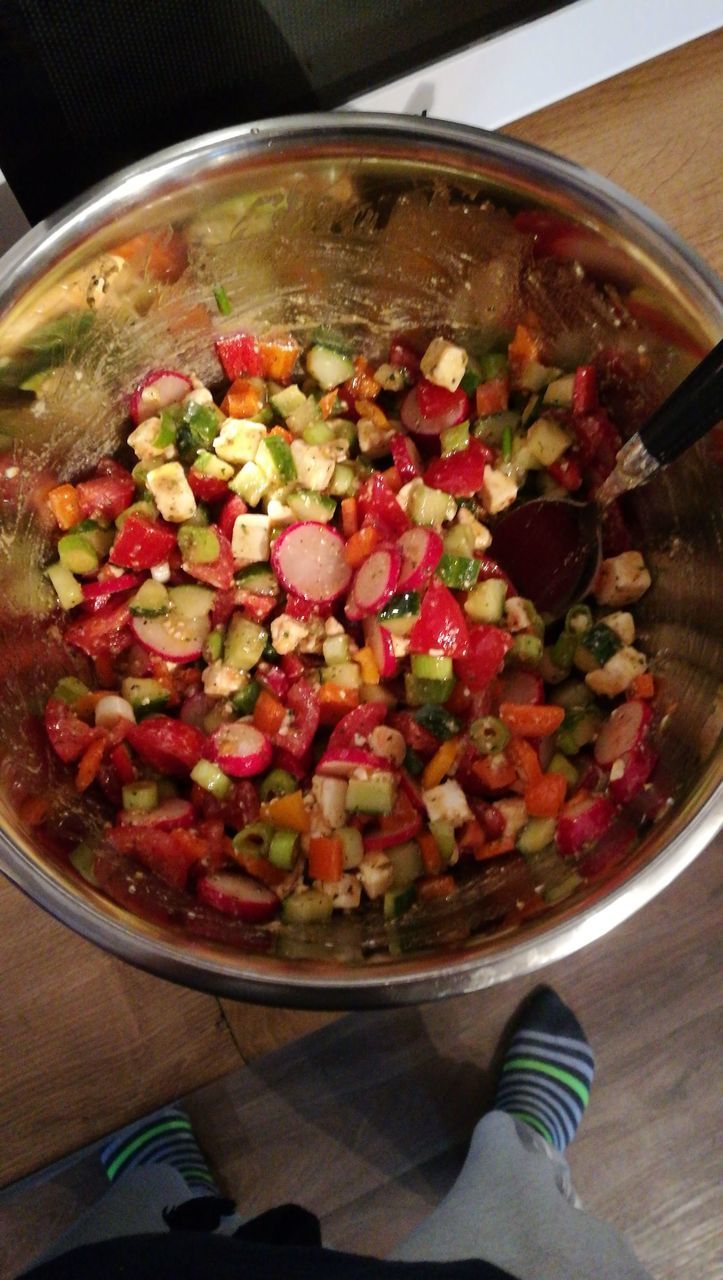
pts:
pixel 513 1205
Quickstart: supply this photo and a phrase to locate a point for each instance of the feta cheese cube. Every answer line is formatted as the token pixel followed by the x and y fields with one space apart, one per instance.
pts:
pixel 498 491
pixel 444 364
pixel 517 614
pixel 447 803
pixel 482 535
pixel 622 579
pixel 376 873
pixel 250 539
pixel 142 440
pixel 314 465
pixel 330 794
pixel 388 743
pixel 373 440
pixel 618 672
pixel 623 624
pixel 279 514
pixel 346 893
pixel 172 493
pixel 390 377
pixel 220 680
pixel 288 633
pixel 239 440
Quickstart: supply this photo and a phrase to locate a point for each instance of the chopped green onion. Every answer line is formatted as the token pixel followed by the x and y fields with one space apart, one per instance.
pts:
pixel 211 778
pixel 283 849
pixel 142 796
pixel 489 735
pixel 279 782
pixel 578 620
pixel 222 300
pixel 437 721
pixel 254 840
pixel 244 700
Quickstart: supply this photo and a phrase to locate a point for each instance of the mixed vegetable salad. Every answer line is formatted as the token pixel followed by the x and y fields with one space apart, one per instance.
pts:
pixel 311 688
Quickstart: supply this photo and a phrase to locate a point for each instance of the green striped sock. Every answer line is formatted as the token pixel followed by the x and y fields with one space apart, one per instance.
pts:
pixel 165 1138
pixel 548 1070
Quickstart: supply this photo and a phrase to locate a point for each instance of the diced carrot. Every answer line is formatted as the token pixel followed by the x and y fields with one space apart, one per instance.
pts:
pixel 431 857
pixel 372 412
pixel 90 762
pixel 327 402
pixel 525 759
pixel 430 887
pixel 349 517
pixel 441 763
pixel 368 664
pixel 531 721
pixel 492 396
pixel 362 385
pixel 268 713
pixel 545 798
pixel 360 545
pixel 282 433
pixel 279 355
pixel 642 686
pixel 326 858
pixel 494 848
pixel 63 502
pixel 287 811
pixel 243 399
pixel 334 702
pixel 524 347
pixel 33 810
pixel 495 772
pixel 162 255
pixel 392 479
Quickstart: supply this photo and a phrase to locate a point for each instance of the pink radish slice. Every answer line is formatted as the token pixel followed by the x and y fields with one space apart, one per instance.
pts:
pixel 342 762
pixel 584 819
pixel 170 814
pixel 175 638
pixel 610 850
pixel 388 839
pixel 308 560
pixel 624 730
pixel 406 457
pixel 630 772
pixel 411 789
pixel 522 687
pixel 453 407
pixel 352 608
pixel 376 580
pixel 381 644
pixel 356 725
pixel 110 586
pixel 421 552
pixel 239 896
pixel 156 391
pixel 240 749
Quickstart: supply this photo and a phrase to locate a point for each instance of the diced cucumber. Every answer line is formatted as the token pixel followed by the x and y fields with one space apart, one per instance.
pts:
pixel 375 794
pixel 286 401
pixel 443 833
pixel 281 458
pixel 140 796
pixel 559 392
pixel 459 540
pixel 207 464
pixel 311 506
pixel 398 901
pixel 459 573
pixel 244 700
pixel 213 644
pixel 492 426
pixel 596 647
pixel 536 834
pixel 144 694
pixel 454 438
pixel 98 535
pixel 144 507
pixel 258 578
pixel 401 612
pixel 493 365
pixel 547 441
pixel 250 483
pixel 560 764
pixel 438 721
pixel 572 695
pixel 344 480
pixel 69 689
pixel 211 778
pixel 82 859
pixel 317 433
pixel 336 649
pixel 427 667
pixel 245 643
pixel 352 845
pixel 77 553
pixel 486 601
pixel 198 544
pixel 328 367
pixel 191 601
pixel 67 589
pixel 577 729
pixel 150 601
pixel 418 692
pixel 346 674
pixel 429 506
pixel 309 907
pixel 406 860
pixel 303 416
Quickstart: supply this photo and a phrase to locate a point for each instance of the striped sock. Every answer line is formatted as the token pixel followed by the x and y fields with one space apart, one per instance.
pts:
pixel 548 1069
pixel 165 1138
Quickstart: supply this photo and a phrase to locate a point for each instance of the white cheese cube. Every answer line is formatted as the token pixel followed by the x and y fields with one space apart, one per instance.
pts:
pixel 498 491
pixel 278 513
pixel 250 539
pixel 330 794
pixel 239 440
pixel 172 493
pixel 618 672
pixel 622 579
pixel 517 615
pixel 376 873
pixel 373 440
pixel 220 681
pixel 314 465
pixel 142 439
pixel 388 743
pixel 447 803
pixel 482 535
pixel 346 893
pixel 623 624
pixel 514 813
pixel 288 633
pixel 444 364
pixel 390 377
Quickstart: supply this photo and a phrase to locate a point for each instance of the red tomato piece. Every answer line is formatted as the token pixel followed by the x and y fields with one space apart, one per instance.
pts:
pixel 584 389
pixel 485 655
pixel 256 607
pixel 460 473
pixel 302 701
pixel 566 473
pixel 206 488
pixel 441 624
pixel 142 543
pixel 415 735
pixel 492 396
pixel 105 632
pixel 357 724
pixel 231 509
pixel 240 355
pixel 219 572
pixel 171 746
pixel 379 507
pixel 107 493
pixel 69 735
pixel 168 854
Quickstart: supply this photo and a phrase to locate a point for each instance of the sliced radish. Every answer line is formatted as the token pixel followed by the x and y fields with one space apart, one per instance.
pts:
pixel 381 644
pixel 308 559
pixel 523 687
pixel 170 814
pixel 411 790
pixel 630 772
pixel 352 608
pixel 610 850
pixel 240 749
pixel 585 819
pixel 173 637
pixel 421 552
pixel 341 762
pixel 401 832
pixel 156 391
pixel 109 586
pixel 376 580
pixel 427 410
pixel 239 896
pixel 624 730
pixel 355 727
pixel 406 457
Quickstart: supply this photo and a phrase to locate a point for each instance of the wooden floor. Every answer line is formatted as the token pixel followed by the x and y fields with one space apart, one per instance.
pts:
pixel 88 1043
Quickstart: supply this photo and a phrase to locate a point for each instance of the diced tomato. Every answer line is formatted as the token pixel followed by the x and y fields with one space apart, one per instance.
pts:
pixel 240 355
pixel 69 736
pixel 106 632
pixel 302 701
pixel 275 680
pixel 485 656
pixel 414 734
pixel 141 543
pixel 231 509
pixel 168 854
pixel 492 396
pixel 219 572
pixel 297 607
pixel 584 389
pixel 256 607
pixel 107 493
pixel 379 507
pixel 206 488
pixel 441 624
pixel 168 745
pixel 292 666
pixel 460 473
pixel 566 473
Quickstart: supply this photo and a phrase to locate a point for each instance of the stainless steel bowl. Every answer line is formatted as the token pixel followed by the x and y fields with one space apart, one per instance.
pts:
pixel 375 223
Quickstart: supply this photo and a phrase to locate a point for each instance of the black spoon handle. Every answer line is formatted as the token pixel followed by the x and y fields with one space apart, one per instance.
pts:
pixel 694 407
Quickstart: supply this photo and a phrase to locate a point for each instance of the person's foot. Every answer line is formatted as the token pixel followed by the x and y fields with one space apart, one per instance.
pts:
pixel 165 1138
pixel 547 1070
